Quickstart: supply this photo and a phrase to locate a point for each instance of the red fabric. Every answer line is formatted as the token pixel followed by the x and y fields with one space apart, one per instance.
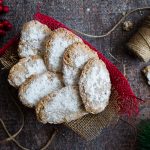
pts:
pixel 8 44
pixel 127 101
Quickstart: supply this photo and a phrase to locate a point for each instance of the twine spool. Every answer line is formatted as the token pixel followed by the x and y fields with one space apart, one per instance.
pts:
pixel 139 44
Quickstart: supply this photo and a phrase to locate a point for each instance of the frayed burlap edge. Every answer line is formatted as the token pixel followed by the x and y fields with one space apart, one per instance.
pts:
pixel 89 126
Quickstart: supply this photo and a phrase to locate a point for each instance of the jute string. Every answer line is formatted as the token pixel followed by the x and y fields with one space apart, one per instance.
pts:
pixel 139 44
pixel 125 15
pixel 11 137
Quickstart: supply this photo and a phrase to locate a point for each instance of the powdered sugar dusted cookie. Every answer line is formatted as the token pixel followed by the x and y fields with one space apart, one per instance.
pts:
pixel 60 39
pixel 95 86
pixel 75 57
pixel 24 69
pixel 146 72
pixel 32 39
pixel 38 86
pixel 64 105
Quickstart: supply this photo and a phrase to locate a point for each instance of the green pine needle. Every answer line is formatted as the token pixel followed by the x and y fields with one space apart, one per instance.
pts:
pixel 143 137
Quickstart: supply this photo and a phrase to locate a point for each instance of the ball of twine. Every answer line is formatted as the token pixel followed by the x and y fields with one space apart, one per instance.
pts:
pixel 139 44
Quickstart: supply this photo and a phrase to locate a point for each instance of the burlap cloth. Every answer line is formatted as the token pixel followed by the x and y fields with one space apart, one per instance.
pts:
pixel 139 44
pixel 122 100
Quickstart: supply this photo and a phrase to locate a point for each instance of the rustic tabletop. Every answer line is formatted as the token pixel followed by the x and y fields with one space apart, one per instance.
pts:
pixel 94 17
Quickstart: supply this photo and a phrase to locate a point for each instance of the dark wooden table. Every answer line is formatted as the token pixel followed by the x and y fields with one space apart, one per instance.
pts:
pixel 90 16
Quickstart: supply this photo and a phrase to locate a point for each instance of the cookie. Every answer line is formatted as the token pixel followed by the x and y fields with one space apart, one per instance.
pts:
pixel 60 39
pixel 146 72
pixel 95 86
pixel 32 40
pixel 24 69
pixel 38 86
pixel 61 106
pixel 75 57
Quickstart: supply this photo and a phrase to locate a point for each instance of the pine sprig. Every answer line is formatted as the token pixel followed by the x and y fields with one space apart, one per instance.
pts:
pixel 143 137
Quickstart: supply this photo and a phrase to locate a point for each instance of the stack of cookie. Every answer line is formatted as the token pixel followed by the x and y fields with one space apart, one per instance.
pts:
pixel 59 75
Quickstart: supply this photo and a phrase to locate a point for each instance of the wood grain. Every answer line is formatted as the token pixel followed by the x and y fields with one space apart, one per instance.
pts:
pixel 95 17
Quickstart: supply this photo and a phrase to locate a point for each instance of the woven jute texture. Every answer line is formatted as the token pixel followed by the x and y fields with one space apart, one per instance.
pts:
pixel 91 126
pixel 88 126
pixel 139 44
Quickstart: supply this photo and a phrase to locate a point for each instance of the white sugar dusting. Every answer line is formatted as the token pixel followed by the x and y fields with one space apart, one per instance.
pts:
pixel 80 56
pixel 63 38
pixel 39 86
pixel 32 38
pixel 25 68
pixel 97 86
pixel 65 105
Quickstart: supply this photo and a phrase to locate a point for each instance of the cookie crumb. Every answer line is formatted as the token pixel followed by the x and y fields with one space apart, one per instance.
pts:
pixel 88 9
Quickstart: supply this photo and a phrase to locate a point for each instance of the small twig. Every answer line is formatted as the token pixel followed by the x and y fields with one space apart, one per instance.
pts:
pixel 114 27
pixel 114 57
